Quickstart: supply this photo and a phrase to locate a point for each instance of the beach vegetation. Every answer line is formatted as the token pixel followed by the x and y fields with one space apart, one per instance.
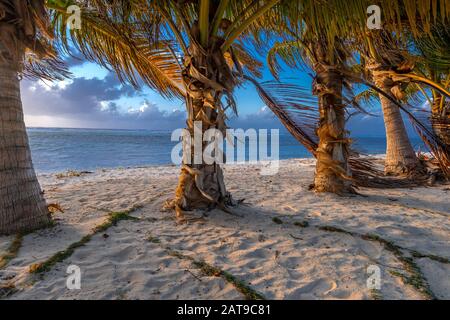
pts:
pixel 277 220
pixel 113 219
pixel 11 251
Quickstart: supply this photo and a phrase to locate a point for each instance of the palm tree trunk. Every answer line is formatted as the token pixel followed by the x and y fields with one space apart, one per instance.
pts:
pixel 201 185
pixel 332 170
pixel 22 205
pixel 400 156
pixel 440 120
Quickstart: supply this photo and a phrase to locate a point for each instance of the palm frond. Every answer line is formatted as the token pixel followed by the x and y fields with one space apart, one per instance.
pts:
pixel 421 121
pixel 50 69
pixel 292 53
pixel 250 64
pixel 297 111
pixel 119 46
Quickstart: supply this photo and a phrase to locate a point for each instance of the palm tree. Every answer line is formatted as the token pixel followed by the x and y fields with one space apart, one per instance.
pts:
pixel 26 50
pixel 207 34
pixel 393 69
pixel 383 54
pixel 435 66
pixel 348 21
pixel 311 36
pixel 332 168
pixel 393 65
pixel 207 40
pixel 23 27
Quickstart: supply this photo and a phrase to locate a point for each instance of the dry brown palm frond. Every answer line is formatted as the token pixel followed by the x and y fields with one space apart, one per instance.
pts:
pixel 54 208
pixel 303 127
pixel 47 68
pixel 298 113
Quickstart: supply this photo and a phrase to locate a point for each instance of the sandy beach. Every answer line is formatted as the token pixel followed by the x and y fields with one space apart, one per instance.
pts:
pixel 282 242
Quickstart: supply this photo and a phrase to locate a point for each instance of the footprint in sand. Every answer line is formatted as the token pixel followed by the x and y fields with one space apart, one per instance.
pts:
pixel 370 249
pixel 316 289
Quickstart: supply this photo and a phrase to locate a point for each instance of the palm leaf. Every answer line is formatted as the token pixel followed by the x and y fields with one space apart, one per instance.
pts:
pixel 117 46
pixel 297 111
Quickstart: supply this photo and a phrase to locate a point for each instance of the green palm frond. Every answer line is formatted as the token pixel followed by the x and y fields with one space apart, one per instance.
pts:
pixel 251 65
pixel 436 50
pixel 292 53
pixel 367 97
pixel 240 26
pixel 116 45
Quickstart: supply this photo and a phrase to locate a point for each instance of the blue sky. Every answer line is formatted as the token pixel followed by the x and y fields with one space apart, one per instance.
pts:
pixel 94 98
pixel 247 98
pixel 42 108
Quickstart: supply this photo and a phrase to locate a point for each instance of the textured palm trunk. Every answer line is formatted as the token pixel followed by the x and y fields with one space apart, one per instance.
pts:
pixel 332 170
pixel 400 156
pixel 201 185
pixel 440 120
pixel 22 205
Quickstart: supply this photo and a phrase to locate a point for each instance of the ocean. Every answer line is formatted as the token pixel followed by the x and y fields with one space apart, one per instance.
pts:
pixel 58 150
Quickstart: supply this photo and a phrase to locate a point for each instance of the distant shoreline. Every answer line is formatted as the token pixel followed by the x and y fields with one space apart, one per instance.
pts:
pixel 287 162
pixel 282 130
pixel 60 149
pixel 95 129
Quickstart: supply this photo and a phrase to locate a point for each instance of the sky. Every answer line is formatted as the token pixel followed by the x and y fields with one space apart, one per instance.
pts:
pixel 94 98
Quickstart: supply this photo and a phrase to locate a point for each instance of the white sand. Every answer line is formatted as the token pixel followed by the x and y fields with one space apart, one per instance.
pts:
pixel 280 261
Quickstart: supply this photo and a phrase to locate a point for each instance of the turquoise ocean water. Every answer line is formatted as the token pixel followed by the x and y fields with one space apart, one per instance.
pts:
pixel 57 150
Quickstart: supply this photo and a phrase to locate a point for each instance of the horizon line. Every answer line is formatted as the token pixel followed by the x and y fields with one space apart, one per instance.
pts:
pixel 155 130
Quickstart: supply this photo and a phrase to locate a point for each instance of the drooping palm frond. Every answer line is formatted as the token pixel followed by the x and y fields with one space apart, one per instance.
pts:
pixel 246 60
pixel 287 102
pixel 119 45
pixel 297 111
pixel 50 69
pixel 293 53
pixel 302 106
pixel 366 97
